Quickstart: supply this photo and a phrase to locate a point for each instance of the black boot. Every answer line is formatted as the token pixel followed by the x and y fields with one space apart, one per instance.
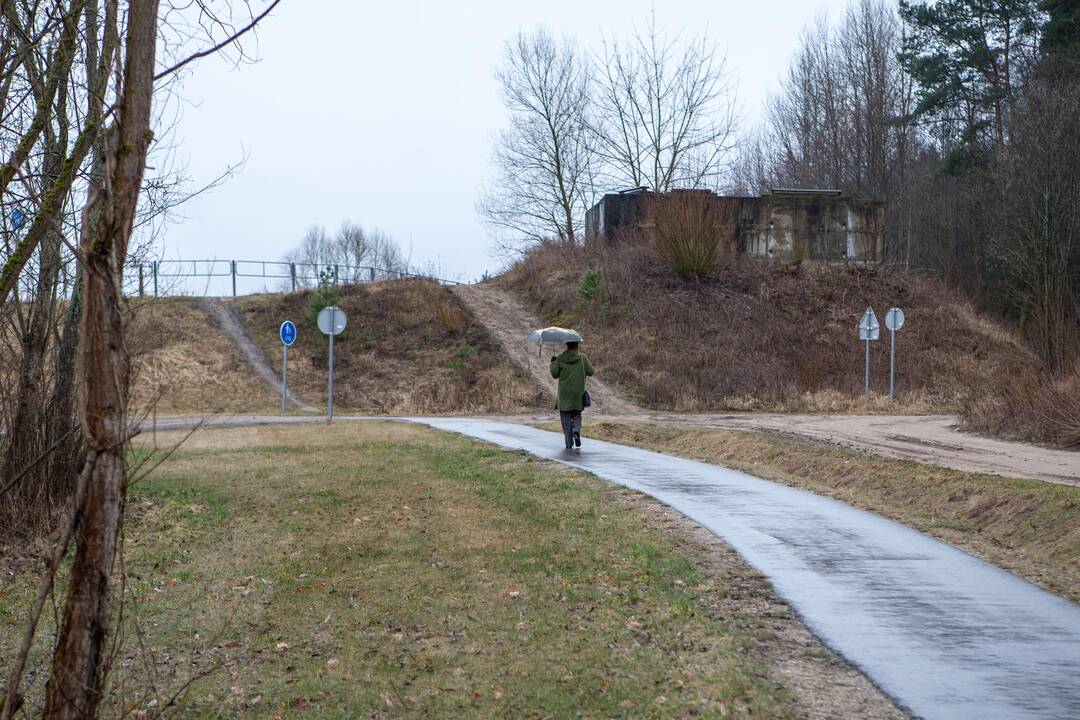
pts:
pixel 577 439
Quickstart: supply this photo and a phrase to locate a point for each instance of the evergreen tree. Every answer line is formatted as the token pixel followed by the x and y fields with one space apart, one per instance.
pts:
pixel 1061 32
pixel 968 57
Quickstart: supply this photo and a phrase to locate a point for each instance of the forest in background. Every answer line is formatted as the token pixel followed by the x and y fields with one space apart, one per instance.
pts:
pixel 963 115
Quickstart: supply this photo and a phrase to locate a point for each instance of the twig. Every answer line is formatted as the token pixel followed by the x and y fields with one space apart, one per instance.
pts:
pixel 48 451
pixel 227 41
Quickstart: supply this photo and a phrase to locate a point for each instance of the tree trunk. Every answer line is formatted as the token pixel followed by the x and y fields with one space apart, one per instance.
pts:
pixel 34 499
pixel 79 664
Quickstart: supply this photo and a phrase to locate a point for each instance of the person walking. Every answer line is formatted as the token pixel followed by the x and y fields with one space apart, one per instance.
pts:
pixel 571 368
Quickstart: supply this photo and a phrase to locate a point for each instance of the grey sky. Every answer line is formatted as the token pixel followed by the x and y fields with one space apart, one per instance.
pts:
pixel 383 114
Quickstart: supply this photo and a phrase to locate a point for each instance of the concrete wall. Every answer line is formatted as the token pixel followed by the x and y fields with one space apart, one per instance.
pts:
pixel 827 227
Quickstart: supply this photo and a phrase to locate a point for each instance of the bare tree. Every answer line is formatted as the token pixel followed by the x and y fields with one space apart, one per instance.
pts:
pixel 354 253
pixel 543 162
pixel 664 116
pixel 41 431
pixel 113 82
pixel 1036 244
pixel 842 118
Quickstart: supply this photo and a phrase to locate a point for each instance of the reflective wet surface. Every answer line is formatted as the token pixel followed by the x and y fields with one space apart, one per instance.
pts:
pixel 944 634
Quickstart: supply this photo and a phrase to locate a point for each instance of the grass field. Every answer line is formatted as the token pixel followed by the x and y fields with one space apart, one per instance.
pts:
pixel 386 569
pixel 1028 527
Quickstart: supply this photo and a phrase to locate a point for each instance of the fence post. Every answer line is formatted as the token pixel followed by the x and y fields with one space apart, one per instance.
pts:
pixel 372 271
pixel 154 267
pixel 292 275
pixel 232 266
pixel 141 293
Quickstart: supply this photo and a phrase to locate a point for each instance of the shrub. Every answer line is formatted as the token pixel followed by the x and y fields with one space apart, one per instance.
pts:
pixel 592 294
pixel 325 295
pixel 694 232
pixel 460 361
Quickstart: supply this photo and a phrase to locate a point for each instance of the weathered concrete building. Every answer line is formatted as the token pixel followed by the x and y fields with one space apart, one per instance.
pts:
pixel 787 224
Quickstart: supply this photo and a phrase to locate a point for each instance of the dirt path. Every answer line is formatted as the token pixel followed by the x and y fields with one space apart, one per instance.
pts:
pixel 509 322
pixel 931 439
pixel 229 321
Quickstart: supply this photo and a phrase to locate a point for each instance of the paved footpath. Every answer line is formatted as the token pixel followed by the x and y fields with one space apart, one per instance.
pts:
pixel 943 633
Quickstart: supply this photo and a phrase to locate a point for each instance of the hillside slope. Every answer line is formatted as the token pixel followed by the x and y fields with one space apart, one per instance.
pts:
pixel 410 347
pixel 765 336
pixel 183 363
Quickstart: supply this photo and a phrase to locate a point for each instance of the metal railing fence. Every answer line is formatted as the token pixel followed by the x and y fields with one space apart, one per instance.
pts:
pixel 161 277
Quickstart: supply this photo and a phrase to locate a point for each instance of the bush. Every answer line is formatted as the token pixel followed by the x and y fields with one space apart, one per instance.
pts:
pixel 325 295
pixel 592 293
pixel 460 361
pixel 694 232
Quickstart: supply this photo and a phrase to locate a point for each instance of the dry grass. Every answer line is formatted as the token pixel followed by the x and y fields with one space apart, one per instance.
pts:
pixel 765 336
pixel 694 232
pixel 381 570
pixel 1028 527
pixel 1039 408
pixel 410 348
pixel 182 361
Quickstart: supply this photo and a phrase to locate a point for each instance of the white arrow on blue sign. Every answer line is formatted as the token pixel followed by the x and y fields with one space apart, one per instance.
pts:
pixel 17 218
pixel 287 333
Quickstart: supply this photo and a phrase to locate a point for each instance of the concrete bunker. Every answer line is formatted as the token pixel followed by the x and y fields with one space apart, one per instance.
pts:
pixel 786 223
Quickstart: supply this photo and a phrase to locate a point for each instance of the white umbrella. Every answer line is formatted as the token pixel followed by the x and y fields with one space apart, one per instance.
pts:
pixel 552 335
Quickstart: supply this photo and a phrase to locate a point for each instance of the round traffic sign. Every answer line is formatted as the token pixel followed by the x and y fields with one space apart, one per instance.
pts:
pixel 331 320
pixel 287 333
pixel 894 319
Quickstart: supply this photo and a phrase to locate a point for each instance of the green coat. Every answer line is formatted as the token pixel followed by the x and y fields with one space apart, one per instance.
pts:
pixel 571 368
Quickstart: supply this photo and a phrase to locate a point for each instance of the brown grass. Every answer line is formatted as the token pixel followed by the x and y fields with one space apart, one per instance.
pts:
pixel 1037 408
pixel 764 336
pixel 410 348
pixel 1027 527
pixel 184 363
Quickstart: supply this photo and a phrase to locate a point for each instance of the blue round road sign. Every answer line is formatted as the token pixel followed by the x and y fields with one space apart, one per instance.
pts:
pixel 287 333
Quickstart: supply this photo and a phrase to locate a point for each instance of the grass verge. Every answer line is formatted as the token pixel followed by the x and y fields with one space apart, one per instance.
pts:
pixel 385 569
pixel 1027 527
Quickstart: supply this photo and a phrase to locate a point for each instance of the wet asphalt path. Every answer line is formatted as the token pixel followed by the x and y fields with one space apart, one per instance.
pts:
pixel 943 633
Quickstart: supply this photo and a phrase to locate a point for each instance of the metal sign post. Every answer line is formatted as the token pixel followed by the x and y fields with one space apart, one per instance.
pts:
pixel 869 330
pixel 894 320
pixel 287 333
pixel 331 322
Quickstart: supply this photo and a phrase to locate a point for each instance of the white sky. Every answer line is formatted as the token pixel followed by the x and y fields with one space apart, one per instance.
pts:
pixel 383 114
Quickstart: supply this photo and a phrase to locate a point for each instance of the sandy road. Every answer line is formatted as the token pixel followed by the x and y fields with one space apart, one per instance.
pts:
pixel 930 439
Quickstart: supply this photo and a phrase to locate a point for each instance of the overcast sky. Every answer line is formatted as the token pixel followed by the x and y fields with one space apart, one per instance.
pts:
pixel 383 113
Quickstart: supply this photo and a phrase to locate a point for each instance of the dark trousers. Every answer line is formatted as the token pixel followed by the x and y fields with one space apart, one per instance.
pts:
pixel 571 423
